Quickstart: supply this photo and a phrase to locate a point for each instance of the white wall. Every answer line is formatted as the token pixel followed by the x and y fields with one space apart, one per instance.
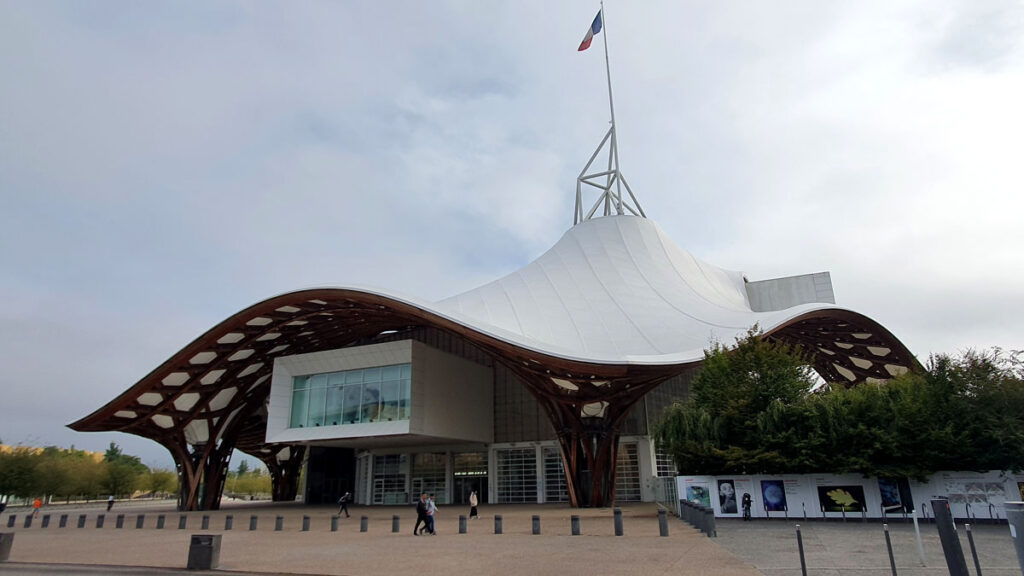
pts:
pixel 979 489
pixel 451 397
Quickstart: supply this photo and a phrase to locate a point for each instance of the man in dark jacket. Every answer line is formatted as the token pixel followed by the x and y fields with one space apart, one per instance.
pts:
pixel 421 514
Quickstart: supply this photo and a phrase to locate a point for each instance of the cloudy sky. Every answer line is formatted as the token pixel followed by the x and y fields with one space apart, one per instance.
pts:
pixel 164 165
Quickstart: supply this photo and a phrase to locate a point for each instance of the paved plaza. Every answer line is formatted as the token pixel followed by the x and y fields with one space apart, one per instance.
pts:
pixel 759 547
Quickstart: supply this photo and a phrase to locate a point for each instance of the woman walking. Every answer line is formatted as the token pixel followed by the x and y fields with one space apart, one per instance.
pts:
pixel 473 501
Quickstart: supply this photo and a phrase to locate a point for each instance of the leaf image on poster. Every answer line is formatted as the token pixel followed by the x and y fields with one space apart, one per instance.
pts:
pixel 841 498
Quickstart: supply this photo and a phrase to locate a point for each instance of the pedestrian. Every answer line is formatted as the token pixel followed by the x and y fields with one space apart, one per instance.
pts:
pixel 36 505
pixel 343 502
pixel 746 506
pixel 110 502
pixel 431 509
pixel 473 501
pixel 421 514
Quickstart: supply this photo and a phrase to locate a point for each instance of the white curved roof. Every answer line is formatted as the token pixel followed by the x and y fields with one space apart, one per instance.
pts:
pixel 616 289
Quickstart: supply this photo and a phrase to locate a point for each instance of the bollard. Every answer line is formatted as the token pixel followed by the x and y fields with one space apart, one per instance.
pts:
pixel 1015 518
pixel 253 521
pixel 81 520
pixel 462 524
pixel 536 524
pixel 6 541
pixel 955 560
pixel 800 548
pixel 364 524
pixel 140 521
pixel 974 552
pixel 305 523
pixel 709 523
pixel 662 522
pixel 63 521
pixel 888 545
pixel 119 521
pixel 229 522
pixel 395 524
pixel 160 521
pixel 917 534
pixel 28 521
pixel 204 552
pixel 574 521
pixel 334 523
pixel 99 520
pixel 206 522
pixel 46 521
pixel 11 520
pixel 182 521
pixel 279 524
pixel 618 521
pixel 497 523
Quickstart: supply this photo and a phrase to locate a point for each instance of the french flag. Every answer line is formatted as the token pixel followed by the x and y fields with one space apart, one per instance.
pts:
pixel 594 29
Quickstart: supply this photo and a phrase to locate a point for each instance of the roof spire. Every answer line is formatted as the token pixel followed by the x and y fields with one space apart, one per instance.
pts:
pixel 609 181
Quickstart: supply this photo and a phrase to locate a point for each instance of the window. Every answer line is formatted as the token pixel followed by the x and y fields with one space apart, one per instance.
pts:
pixel 379 394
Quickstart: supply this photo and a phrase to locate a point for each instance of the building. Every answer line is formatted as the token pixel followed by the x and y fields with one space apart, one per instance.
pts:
pixel 540 386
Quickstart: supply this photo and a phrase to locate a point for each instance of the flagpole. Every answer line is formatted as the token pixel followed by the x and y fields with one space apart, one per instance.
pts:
pixel 611 108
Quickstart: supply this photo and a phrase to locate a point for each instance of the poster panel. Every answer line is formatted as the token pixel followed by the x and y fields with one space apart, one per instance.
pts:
pixel 773 494
pixel 841 498
pixel 727 496
pixel 698 493
pixel 890 492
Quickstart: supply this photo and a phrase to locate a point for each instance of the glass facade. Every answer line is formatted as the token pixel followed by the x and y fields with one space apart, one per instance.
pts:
pixel 517 475
pixel 379 394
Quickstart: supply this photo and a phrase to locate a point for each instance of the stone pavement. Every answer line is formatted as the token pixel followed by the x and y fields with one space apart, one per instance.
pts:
pixel 596 552
pixel 858 549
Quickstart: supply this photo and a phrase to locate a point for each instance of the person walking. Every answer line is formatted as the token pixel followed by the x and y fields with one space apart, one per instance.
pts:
pixel 431 509
pixel 421 514
pixel 746 506
pixel 110 502
pixel 343 503
pixel 473 502
pixel 36 505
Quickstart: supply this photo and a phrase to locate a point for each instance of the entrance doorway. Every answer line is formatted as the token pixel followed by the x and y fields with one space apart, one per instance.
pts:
pixel 470 470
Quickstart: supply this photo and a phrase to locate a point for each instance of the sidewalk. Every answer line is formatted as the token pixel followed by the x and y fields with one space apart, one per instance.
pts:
pixel 596 552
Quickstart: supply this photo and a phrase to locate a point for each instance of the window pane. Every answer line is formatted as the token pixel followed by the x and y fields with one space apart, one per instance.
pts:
pixel 301 383
pixel 391 373
pixel 371 402
pixel 318 381
pixel 371 375
pixel 354 377
pixel 389 400
pixel 332 417
pixel 299 408
pixel 336 379
pixel 406 370
pixel 317 405
pixel 353 398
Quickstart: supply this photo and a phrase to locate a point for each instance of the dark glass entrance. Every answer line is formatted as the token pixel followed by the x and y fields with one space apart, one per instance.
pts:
pixel 470 471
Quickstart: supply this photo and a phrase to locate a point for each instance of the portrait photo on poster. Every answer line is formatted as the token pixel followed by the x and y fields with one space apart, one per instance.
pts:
pixel 727 497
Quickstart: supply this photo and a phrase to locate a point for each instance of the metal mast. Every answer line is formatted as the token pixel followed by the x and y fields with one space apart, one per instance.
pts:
pixel 610 200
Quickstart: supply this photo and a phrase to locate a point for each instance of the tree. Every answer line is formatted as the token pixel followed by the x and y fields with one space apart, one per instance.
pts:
pixel 122 472
pixel 243 468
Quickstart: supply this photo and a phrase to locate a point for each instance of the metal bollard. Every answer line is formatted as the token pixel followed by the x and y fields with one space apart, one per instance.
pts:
pixel 574 522
pixel 99 520
pixel 888 546
pixel 46 521
pixel 955 560
pixel 81 520
pixel 1015 518
pixel 160 518
pixel 536 524
pixel 253 522
pixel 6 541
pixel 206 522
pixel 334 523
pixel 182 521
pixel 140 521
pixel 462 523
pixel 800 547
pixel 709 523
pixel 305 523
pixel 618 521
pixel 395 524
pixel 364 524
pixel 497 523
pixel 28 521
pixel 63 521
pixel 229 522
pixel 119 521
pixel 974 551
pixel 279 524
pixel 663 522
